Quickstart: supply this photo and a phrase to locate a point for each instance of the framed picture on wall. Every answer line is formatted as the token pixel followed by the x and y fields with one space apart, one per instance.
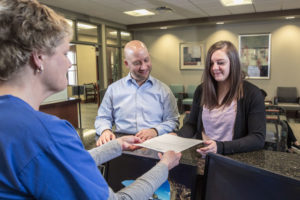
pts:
pixel 191 56
pixel 254 53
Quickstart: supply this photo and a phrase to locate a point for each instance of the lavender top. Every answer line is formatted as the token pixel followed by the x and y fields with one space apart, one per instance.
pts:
pixel 218 123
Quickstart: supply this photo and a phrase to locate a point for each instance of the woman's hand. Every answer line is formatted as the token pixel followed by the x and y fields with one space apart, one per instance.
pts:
pixel 127 142
pixel 210 146
pixel 170 158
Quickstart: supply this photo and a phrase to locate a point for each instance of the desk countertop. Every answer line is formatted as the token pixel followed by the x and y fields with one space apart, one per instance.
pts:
pixel 282 163
pixel 286 164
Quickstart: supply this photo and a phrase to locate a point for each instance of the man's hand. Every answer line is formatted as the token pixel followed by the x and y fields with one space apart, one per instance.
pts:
pixel 127 142
pixel 170 158
pixel 211 146
pixel 105 137
pixel 146 134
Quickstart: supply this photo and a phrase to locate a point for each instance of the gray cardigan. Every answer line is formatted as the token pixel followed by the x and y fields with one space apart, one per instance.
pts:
pixel 250 123
pixel 143 187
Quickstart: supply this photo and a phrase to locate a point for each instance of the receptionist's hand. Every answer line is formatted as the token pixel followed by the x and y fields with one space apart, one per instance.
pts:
pixel 105 137
pixel 127 142
pixel 170 158
pixel 146 134
pixel 210 146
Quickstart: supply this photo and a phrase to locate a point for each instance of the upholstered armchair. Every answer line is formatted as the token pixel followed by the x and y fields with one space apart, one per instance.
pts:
pixel 286 95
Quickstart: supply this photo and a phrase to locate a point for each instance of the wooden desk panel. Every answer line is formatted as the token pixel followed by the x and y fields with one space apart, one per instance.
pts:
pixel 63 109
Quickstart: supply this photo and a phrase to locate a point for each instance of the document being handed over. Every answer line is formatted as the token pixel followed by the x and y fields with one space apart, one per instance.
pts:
pixel 169 142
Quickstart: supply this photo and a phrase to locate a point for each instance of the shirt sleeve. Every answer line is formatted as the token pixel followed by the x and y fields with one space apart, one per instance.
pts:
pixel 106 152
pixel 144 186
pixel 104 119
pixel 170 121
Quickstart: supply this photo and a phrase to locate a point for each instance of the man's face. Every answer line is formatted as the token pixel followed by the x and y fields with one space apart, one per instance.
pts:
pixel 139 63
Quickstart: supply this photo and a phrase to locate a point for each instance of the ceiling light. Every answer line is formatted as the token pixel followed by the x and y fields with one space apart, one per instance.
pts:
pixel 85 26
pixel 139 13
pixel 122 33
pixel 235 2
pixel 125 33
pixel 163 27
pixel 220 23
pixel 290 17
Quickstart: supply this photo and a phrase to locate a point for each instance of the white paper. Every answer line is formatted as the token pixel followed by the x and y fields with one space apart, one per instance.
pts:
pixel 169 142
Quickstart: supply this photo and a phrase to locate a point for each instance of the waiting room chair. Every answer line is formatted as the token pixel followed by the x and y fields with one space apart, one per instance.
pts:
pixel 287 98
pixel 90 91
pixel 188 101
pixel 178 91
pixel 286 95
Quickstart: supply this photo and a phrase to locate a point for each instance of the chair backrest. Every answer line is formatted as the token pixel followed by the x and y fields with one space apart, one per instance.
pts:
pixel 225 178
pixel 191 90
pixel 287 94
pixel 177 89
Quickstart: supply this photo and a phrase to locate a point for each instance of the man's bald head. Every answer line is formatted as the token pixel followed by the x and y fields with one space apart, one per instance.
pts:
pixel 138 61
pixel 134 46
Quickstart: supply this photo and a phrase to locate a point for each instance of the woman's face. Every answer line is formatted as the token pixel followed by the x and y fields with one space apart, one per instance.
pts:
pixel 56 68
pixel 220 65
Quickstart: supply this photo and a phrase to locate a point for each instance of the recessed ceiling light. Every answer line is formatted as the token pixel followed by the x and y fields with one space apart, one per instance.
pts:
pixel 290 17
pixel 163 27
pixel 235 2
pixel 122 33
pixel 85 26
pixel 139 13
pixel 220 23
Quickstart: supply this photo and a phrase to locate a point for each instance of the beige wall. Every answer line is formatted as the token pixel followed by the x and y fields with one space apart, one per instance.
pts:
pixel 86 63
pixel 285 51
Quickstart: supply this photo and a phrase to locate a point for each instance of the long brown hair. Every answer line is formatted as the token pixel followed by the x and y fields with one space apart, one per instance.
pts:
pixel 210 93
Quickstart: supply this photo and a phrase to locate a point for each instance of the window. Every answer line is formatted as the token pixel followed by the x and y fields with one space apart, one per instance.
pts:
pixel 72 72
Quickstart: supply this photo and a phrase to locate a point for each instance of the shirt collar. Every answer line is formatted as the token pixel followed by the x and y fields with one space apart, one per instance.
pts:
pixel 129 79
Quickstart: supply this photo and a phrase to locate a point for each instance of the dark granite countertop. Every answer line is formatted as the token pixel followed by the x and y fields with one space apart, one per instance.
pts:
pixel 286 164
pixel 283 163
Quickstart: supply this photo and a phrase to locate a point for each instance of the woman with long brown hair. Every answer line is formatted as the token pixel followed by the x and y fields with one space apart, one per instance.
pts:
pixel 228 112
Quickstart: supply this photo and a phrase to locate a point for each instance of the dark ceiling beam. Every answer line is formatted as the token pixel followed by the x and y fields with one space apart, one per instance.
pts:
pixel 271 15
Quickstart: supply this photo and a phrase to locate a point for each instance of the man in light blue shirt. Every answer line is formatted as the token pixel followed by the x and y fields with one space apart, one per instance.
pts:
pixel 138 103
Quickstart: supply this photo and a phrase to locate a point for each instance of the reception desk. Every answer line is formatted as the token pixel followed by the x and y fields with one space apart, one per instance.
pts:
pixel 64 109
pixel 186 180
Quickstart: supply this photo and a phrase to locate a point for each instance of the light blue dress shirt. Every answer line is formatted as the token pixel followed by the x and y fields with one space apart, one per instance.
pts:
pixel 131 107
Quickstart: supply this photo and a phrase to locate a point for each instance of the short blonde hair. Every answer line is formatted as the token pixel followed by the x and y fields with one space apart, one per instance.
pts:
pixel 27 26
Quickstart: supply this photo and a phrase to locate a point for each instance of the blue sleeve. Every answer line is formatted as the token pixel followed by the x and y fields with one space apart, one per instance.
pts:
pixel 64 170
pixel 104 119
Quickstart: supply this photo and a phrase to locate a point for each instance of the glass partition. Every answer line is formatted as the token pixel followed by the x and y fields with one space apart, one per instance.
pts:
pixel 87 32
pixel 111 36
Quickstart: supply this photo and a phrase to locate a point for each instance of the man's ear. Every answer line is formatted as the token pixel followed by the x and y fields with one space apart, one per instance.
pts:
pixel 126 63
